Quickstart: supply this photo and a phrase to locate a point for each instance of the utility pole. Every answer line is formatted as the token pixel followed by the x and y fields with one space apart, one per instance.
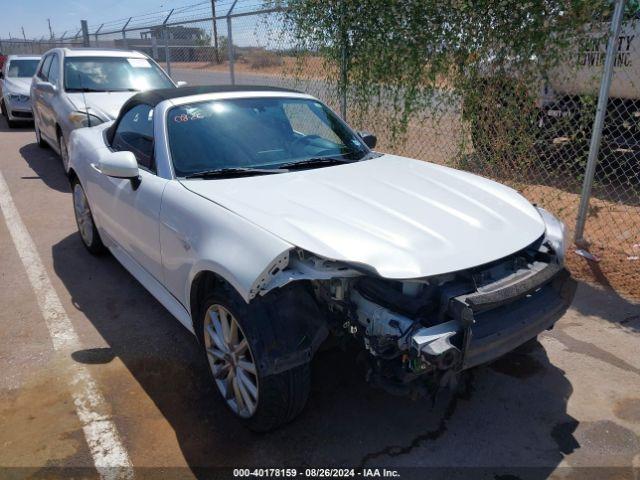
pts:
pixel 23 35
pixel 50 29
pixel 215 31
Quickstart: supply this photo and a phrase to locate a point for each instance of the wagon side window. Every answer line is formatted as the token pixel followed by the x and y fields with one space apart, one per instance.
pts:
pixel 135 134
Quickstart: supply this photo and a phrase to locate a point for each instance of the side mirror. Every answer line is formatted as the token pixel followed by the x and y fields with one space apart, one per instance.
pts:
pixel 369 139
pixel 181 83
pixel 120 165
pixel 48 87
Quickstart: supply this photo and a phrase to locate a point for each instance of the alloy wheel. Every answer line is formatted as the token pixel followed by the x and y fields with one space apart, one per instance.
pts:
pixel 231 361
pixel 83 214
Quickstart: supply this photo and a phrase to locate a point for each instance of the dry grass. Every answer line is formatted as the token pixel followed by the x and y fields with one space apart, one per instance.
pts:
pixel 309 68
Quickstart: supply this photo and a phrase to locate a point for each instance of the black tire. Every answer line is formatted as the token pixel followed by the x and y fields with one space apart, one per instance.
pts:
pixel 281 396
pixel 10 123
pixel 92 242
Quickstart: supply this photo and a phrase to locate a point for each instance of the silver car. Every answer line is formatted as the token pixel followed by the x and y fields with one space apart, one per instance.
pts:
pixel 82 87
pixel 15 80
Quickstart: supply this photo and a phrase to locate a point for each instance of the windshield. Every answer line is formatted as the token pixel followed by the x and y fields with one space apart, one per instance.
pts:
pixel 112 74
pixel 22 68
pixel 256 132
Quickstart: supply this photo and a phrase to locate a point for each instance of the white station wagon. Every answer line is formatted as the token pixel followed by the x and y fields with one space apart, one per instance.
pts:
pixel 264 224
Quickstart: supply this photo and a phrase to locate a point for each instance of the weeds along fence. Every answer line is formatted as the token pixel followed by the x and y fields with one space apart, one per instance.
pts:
pixel 535 134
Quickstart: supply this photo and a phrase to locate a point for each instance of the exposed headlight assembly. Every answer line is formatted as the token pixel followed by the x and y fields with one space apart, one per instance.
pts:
pixel 555 233
pixel 16 97
pixel 84 119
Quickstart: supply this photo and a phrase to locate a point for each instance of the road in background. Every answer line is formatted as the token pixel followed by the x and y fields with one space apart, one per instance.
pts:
pixel 571 401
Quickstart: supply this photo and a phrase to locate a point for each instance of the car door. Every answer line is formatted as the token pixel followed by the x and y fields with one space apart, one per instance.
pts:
pixel 130 210
pixel 41 103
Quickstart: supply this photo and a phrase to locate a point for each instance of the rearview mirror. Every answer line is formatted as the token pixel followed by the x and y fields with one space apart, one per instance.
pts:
pixel 369 139
pixel 48 87
pixel 119 165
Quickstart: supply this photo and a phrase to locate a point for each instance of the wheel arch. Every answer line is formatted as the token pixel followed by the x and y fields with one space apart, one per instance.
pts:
pixel 72 175
pixel 203 282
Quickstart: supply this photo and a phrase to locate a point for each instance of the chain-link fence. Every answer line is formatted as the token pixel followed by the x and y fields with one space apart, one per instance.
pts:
pixel 533 134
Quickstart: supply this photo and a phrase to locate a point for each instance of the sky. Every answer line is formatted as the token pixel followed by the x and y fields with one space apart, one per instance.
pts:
pixel 66 14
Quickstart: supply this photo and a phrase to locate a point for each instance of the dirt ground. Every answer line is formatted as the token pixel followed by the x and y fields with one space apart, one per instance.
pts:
pixel 310 68
pixel 567 407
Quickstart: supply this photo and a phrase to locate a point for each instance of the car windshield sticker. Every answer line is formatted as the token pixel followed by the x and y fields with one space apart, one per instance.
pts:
pixel 188 116
pixel 139 62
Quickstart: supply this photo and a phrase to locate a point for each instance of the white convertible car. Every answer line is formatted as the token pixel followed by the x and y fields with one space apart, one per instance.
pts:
pixel 263 223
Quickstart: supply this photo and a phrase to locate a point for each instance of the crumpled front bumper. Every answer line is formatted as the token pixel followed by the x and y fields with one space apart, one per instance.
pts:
pixel 513 316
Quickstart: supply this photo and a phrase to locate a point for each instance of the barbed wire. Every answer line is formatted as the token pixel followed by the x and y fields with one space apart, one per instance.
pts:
pixel 179 13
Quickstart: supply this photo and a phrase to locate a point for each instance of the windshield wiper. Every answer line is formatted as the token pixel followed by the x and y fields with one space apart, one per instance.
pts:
pixel 234 172
pixel 311 162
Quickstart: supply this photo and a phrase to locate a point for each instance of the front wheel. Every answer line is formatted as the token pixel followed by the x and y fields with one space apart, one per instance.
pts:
pixel 64 152
pixel 230 343
pixel 84 220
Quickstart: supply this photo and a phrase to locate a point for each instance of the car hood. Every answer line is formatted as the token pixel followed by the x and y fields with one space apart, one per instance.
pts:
pixel 17 85
pixel 399 217
pixel 105 105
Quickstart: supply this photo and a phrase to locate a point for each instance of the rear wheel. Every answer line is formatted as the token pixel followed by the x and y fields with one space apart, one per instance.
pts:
pixel 84 220
pixel 64 152
pixel 39 140
pixel 229 339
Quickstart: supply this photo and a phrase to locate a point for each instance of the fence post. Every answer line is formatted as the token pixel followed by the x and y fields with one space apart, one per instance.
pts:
pixel 344 39
pixel 154 48
pixel 165 34
pixel 230 49
pixel 125 43
pixel 343 84
pixel 232 60
pixel 215 31
pixel 598 122
pixel 97 32
pixel 85 33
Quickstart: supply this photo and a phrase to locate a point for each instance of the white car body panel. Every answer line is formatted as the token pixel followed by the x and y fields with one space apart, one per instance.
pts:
pixel 193 234
pixel 399 217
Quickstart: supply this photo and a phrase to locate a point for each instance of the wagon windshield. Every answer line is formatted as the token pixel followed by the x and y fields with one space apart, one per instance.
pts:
pixel 22 68
pixel 246 133
pixel 112 74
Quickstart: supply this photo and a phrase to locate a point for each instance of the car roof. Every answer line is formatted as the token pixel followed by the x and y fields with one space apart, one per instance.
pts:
pixel 101 52
pixel 24 57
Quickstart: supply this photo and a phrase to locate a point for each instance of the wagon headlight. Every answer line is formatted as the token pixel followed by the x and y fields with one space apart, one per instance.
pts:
pixel 84 119
pixel 16 97
pixel 555 233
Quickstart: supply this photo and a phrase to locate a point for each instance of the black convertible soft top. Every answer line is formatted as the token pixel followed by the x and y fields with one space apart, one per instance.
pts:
pixel 154 97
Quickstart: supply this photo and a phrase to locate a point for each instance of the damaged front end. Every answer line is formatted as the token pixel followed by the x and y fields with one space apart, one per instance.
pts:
pixel 418 334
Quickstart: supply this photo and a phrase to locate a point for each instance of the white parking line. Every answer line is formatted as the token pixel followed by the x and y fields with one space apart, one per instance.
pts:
pixel 109 455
